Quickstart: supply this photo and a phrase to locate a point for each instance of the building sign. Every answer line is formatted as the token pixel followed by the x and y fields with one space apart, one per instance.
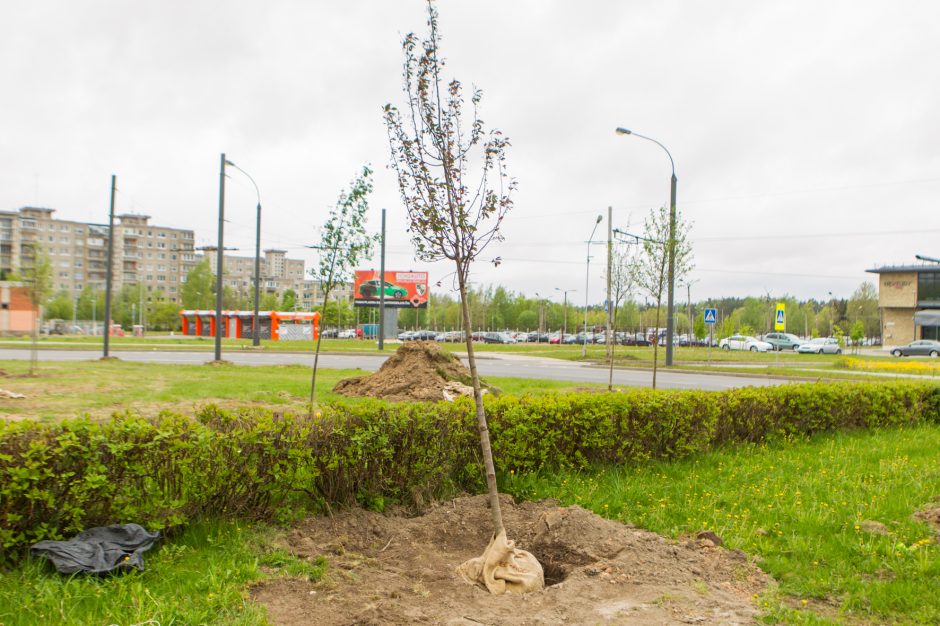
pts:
pixel 402 289
pixel 898 284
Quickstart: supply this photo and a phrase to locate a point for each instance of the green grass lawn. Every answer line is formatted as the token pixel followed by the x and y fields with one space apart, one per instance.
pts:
pixel 67 389
pixel 801 508
pixel 199 576
pixel 798 506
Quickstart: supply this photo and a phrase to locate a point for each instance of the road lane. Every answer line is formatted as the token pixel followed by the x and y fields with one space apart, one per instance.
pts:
pixel 518 366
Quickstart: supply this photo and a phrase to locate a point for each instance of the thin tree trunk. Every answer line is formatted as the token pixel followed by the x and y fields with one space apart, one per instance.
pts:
pixel 656 342
pixel 34 350
pixel 488 465
pixel 316 358
pixel 659 300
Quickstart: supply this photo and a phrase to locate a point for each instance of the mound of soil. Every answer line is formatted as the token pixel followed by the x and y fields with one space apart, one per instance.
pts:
pixel 931 515
pixel 418 371
pixel 401 570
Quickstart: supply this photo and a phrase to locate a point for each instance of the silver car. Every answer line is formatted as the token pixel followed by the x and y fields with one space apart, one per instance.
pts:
pixel 821 345
pixel 923 347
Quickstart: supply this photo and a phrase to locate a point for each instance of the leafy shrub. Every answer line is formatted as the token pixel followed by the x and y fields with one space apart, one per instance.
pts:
pixel 59 478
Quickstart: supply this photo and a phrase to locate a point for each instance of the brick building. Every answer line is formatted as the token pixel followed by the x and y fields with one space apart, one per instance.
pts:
pixel 17 313
pixel 909 301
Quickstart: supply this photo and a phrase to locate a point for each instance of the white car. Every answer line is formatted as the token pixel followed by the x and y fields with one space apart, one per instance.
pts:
pixel 821 345
pixel 744 342
pixel 349 333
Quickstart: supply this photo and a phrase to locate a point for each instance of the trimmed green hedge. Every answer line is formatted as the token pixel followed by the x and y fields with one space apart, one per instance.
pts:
pixel 59 478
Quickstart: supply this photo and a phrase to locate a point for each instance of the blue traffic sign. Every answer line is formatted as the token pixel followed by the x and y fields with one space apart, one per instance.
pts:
pixel 711 316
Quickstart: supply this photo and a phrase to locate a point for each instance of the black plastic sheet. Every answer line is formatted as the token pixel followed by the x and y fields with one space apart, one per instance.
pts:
pixel 99 550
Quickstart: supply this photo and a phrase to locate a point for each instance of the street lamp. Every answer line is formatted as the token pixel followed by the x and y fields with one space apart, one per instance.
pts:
pixel 255 330
pixel 586 280
pixel 670 316
pixel 564 308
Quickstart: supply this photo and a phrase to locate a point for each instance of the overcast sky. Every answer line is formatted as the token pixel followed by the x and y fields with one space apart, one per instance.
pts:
pixel 806 135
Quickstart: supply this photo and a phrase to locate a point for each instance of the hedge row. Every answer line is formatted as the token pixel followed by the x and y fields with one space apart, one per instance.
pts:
pixel 58 478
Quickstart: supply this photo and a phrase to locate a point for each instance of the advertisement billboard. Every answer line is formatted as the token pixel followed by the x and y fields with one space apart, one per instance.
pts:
pixel 403 290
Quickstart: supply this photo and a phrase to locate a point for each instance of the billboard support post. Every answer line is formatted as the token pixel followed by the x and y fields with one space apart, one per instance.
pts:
pixel 382 290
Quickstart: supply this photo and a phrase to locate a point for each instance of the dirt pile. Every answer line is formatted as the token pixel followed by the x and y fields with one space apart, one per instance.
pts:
pixel 418 371
pixel 931 515
pixel 401 570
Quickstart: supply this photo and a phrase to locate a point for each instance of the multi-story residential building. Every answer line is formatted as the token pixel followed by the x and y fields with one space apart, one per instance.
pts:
pixel 156 257
pixel 278 274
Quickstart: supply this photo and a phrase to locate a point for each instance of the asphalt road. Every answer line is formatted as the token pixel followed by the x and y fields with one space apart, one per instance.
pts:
pixel 504 365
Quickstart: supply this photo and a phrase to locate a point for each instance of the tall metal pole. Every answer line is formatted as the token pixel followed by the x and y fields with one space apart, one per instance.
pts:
pixel 671 315
pixel 382 289
pixel 610 304
pixel 108 273
pixel 255 331
pixel 587 280
pixel 564 322
pixel 218 262
pixel 671 244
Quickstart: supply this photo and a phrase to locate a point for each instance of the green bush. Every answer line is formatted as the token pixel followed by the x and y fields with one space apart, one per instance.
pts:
pixel 59 478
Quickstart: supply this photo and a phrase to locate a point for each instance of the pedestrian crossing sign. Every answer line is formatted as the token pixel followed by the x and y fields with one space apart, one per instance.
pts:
pixel 711 316
pixel 780 321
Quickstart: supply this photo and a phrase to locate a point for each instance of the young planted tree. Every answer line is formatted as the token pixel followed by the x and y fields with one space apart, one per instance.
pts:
pixel 38 278
pixel 343 241
pixel 621 285
pixel 649 271
pixel 455 204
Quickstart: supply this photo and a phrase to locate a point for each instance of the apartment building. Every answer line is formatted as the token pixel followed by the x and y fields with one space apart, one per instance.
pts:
pixel 156 257
pixel 278 274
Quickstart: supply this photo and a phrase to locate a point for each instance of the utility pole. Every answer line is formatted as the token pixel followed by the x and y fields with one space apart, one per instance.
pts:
pixel 220 252
pixel 610 262
pixel 108 273
pixel 382 288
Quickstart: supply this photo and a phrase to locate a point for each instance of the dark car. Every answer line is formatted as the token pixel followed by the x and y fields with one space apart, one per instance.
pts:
pixel 498 338
pixel 424 335
pixel 637 339
pixel 536 337
pixel 922 347
pixel 370 289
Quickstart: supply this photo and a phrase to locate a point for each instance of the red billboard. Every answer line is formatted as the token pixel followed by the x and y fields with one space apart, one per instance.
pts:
pixel 402 289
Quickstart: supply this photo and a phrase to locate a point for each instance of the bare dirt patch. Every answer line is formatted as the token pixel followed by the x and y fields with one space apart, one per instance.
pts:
pixel 418 371
pixel 931 515
pixel 390 570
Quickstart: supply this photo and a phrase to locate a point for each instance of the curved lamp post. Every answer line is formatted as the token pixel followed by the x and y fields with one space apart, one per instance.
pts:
pixel 670 316
pixel 586 279
pixel 255 331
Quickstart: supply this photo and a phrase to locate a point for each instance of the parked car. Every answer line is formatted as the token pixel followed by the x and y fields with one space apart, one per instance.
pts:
pixel 370 289
pixel 744 342
pixel 923 347
pixel 349 333
pixel 423 335
pixel 783 341
pixel 407 335
pixel 536 337
pixel 634 339
pixel 498 338
pixel 821 345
